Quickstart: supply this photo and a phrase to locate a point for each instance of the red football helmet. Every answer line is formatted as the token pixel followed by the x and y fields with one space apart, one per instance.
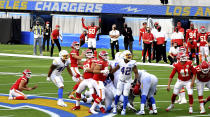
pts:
pixel 136 89
pixel 75 45
pixel 89 53
pixel 103 55
pixel 182 49
pixel 182 57
pixel 204 66
pixel 203 29
pixel 27 73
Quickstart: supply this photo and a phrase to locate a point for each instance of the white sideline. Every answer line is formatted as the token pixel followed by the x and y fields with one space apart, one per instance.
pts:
pixel 48 57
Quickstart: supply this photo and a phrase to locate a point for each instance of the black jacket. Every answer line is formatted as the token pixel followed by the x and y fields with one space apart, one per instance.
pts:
pixel 128 37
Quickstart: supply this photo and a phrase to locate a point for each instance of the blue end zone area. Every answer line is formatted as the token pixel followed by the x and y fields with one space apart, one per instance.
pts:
pixel 103 42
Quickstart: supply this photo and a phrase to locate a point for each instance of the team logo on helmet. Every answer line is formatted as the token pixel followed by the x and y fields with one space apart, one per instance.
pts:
pixel 89 53
pixel 205 67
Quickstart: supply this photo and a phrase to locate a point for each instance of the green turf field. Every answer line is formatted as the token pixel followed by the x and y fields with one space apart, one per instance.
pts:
pixel 11 68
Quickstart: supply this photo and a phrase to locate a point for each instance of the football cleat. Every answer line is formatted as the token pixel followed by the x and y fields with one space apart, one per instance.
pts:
pixel 93 111
pixel 170 107
pixel 155 111
pixel 141 112
pixel 61 103
pixel 190 110
pixel 123 112
pixel 131 108
pixel 150 112
pixel 114 110
pixel 102 110
pixel 76 108
pixel 203 111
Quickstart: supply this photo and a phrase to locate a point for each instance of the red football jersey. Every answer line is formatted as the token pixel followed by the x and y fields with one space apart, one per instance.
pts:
pixel 180 29
pixel 87 64
pixel 104 65
pixel 149 37
pixel 55 34
pixel 192 45
pixel 17 83
pixel 192 34
pixel 184 71
pixel 203 38
pixel 74 61
pixel 142 32
pixel 201 76
pixel 92 31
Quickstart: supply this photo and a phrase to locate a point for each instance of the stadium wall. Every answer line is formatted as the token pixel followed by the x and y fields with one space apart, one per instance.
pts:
pixel 103 42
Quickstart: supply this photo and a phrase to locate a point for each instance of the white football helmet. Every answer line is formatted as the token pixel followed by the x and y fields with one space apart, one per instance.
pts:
pixel 63 54
pixel 118 56
pixel 127 55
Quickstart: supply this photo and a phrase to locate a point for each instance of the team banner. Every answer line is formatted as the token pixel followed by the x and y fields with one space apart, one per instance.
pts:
pixel 105 8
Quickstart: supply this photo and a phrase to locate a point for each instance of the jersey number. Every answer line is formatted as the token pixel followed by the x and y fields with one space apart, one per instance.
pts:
pixel 202 38
pixel 126 70
pixel 91 31
pixel 192 35
pixel 184 72
pixel 60 69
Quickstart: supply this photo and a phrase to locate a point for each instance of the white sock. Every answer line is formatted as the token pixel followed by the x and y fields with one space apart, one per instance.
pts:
pixel 89 100
pixel 201 105
pixel 154 107
pixel 142 107
pixel 93 106
pixel 77 102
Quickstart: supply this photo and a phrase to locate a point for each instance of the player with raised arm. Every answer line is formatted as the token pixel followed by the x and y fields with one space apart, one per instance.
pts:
pixel 88 66
pixel 203 79
pixel 186 77
pixel 100 71
pixel 21 84
pixel 126 66
pixel 92 31
pixel 75 61
pixel 148 88
pixel 54 74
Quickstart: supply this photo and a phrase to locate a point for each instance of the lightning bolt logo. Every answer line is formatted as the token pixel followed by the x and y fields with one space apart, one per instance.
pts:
pixel 132 9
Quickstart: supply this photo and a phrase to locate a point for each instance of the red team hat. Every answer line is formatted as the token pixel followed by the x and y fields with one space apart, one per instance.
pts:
pixel 57 26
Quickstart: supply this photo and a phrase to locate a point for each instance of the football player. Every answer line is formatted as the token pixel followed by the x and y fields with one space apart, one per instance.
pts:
pixel 100 71
pixel 203 79
pixel 21 84
pixel 185 70
pixel 88 66
pixel 148 88
pixel 203 40
pixel 75 61
pixel 92 31
pixel 126 66
pixel 54 74
pixel 191 33
pixel 192 50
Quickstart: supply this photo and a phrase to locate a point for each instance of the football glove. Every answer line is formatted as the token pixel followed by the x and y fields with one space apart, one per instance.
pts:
pixel 48 79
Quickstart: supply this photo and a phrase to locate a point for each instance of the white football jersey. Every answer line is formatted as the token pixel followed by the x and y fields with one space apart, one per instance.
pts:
pixel 143 74
pixel 126 70
pixel 60 66
pixel 116 74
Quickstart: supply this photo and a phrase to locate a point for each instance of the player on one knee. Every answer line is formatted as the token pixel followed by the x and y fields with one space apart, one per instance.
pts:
pixel 185 70
pixel 203 79
pixel 54 74
pixel 75 61
pixel 100 71
pixel 126 66
pixel 148 88
pixel 15 92
pixel 88 66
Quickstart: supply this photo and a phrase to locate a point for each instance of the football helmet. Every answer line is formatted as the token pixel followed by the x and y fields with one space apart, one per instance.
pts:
pixel 182 49
pixel 203 29
pixel 182 57
pixel 204 66
pixel 103 55
pixel 118 56
pixel 89 53
pixel 27 73
pixel 75 45
pixel 127 55
pixel 63 54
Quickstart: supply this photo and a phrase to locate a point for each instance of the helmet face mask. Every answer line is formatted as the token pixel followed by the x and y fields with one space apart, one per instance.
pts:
pixel 203 29
pixel 27 73
pixel 127 55
pixel 89 53
pixel 182 57
pixel 205 67
pixel 103 55
pixel 75 45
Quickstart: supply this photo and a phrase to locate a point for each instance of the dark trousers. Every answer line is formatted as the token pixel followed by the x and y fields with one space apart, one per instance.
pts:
pixel 191 57
pixel 161 53
pixel 114 44
pixel 130 44
pixel 147 47
pixel 172 60
pixel 82 42
pixel 43 45
pixel 164 1
pixel 56 41
pixel 154 52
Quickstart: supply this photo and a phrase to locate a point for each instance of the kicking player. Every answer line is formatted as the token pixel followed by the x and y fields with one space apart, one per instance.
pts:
pixel 148 88
pixel 203 79
pixel 54 74
pixel 75 61
pixel 88 66
pixel 126 66
pixel 100 71
pixel 185 70
pixel 15 92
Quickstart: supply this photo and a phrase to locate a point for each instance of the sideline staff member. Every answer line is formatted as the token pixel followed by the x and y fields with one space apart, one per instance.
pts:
pixel 54 39
pixel 114 35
